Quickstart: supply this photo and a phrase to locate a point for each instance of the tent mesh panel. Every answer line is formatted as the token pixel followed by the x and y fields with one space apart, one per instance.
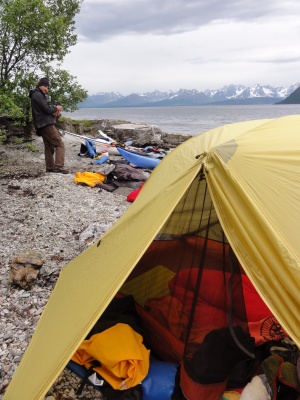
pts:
pixel 188 289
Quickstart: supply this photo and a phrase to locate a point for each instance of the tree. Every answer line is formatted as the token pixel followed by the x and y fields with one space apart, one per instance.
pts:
pixel 64 88
pixel 34 33
pixel 34 36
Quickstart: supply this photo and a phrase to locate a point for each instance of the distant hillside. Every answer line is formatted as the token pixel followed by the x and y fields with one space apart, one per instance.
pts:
pixel 293 98
pixel 100 100
pixel 228 95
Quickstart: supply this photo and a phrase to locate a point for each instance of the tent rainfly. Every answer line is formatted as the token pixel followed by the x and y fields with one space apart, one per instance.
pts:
pixel 252 174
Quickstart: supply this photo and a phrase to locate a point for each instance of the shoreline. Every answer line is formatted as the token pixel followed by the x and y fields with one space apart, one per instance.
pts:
pixel 122 131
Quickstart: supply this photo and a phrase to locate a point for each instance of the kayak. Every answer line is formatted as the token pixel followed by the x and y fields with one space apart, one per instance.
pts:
pixel 110 147
pixel 104 142
pixel 139 160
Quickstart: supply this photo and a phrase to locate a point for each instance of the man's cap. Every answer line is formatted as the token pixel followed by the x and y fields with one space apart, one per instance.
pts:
pixel 43 82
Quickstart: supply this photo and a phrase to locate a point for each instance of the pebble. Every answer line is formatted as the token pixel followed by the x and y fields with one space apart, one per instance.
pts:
pixel 50 214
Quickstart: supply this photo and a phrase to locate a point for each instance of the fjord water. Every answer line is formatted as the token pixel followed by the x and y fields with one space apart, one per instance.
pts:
pixel 189 120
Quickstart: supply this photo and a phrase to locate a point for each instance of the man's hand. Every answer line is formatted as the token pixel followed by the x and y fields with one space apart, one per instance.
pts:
pixel 58 111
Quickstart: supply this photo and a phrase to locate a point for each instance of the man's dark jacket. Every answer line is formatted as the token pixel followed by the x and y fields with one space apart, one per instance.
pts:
pixel 42 113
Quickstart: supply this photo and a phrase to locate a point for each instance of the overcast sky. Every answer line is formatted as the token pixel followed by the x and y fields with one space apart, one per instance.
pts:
pixel 138 46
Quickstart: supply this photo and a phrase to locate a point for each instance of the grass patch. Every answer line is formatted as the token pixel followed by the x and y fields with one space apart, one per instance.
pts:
pixel 3 135
pixel 31 147
pixel 86 123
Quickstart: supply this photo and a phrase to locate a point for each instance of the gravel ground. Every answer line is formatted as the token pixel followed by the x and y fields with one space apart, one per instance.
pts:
pixel 50 214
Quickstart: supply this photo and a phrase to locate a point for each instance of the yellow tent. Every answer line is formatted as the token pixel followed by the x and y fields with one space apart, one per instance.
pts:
pixel 253 174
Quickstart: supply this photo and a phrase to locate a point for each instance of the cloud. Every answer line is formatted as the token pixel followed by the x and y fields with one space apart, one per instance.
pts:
pixel 102 19
pixel 144 45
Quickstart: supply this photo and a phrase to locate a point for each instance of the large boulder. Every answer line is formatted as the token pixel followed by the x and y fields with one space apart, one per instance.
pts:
pixel 139 134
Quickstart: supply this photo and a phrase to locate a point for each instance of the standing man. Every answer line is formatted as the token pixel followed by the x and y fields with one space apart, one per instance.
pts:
pixel 43 120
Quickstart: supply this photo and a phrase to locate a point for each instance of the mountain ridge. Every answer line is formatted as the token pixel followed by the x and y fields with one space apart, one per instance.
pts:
pixel 228 95
pixel 293 98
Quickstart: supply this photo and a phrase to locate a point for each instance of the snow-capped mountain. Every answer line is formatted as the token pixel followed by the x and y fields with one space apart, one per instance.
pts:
pixel 232 94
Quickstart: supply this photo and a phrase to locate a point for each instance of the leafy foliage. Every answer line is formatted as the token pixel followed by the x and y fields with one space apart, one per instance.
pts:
pixel 64 88
pixel 34 33
pixel 8 107
pixel 35 36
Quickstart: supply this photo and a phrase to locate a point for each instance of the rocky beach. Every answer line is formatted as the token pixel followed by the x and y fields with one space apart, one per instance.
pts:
pixel 48 214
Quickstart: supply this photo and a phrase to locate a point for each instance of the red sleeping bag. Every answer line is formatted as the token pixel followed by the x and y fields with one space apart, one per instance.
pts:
pixel 133 195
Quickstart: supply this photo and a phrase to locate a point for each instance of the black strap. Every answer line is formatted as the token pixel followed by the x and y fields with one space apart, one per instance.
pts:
pixel 85 379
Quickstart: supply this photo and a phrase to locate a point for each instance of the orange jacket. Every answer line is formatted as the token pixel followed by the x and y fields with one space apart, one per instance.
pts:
pixel 89 178
pixel 123 357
